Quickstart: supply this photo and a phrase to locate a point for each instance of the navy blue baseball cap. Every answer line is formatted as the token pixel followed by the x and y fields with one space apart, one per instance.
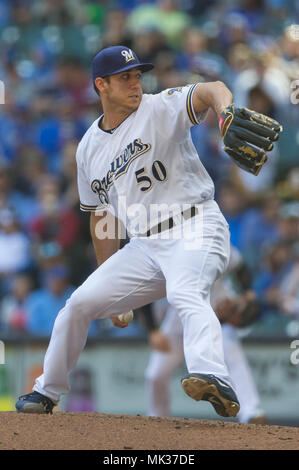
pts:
pixel 116 59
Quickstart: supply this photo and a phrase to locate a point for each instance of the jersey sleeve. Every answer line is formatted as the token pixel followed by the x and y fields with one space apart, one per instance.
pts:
pixel 89 201
pixel 173 110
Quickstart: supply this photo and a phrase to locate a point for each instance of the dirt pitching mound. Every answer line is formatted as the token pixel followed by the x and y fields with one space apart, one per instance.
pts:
pixel 96 431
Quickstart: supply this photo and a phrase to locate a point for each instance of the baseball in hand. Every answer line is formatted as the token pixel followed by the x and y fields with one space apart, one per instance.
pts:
pixel 126 317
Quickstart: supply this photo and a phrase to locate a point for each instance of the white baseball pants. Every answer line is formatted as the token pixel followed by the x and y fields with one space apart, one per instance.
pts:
pixel 145 270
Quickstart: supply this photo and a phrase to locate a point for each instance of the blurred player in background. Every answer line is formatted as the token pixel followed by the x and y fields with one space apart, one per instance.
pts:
pixel 167 344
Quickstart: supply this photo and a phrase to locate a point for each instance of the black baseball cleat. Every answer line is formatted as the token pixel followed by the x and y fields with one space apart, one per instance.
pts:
pixel 35 403
pixel 210 388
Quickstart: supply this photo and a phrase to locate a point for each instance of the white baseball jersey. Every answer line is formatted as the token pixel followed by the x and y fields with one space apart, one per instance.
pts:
pixel 148 159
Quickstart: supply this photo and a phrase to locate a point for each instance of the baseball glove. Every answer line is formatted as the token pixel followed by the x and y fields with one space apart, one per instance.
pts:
pixel 239 312
pixel 248 136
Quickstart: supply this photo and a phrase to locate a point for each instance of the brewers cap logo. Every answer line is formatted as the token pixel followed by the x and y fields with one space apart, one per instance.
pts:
pixel 128 55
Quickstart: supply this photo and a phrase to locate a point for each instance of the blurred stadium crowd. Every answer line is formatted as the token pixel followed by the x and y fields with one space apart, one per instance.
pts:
pixel 46 50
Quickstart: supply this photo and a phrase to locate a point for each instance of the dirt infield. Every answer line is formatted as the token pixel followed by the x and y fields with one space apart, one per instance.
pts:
pixel 95 431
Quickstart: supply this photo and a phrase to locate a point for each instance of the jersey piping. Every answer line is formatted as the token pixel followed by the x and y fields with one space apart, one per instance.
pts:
pixel 190 110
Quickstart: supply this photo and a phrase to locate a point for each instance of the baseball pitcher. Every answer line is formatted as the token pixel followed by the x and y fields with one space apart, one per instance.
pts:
pixel 138 169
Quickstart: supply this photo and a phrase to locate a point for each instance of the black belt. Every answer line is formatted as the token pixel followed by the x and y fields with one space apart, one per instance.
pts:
pixel 170 223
